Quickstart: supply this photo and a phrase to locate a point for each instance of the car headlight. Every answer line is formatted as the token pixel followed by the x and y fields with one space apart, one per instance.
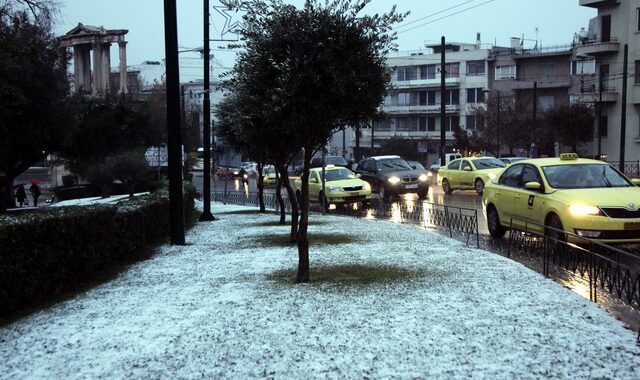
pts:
pixel 423 177
pixel 333 189
pixel 582 210
pixel 492 176
pixel 366 186
pixel 394 180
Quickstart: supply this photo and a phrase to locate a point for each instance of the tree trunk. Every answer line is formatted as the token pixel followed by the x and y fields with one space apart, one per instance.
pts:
pixel 283 211
pixel 303 242
pixel 260 182
pixel 294 208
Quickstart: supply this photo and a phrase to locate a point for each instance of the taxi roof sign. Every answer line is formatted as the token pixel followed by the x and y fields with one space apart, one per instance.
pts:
pixel 568 156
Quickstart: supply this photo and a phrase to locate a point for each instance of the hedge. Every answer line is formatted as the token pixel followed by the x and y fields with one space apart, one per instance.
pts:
pixel 45 254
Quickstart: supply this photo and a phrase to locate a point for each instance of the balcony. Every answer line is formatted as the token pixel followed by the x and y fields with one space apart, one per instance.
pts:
pixel 609 95
pixel 422 83
pixel 559 81
pixel 420 109
pixel 596 47
pixel 597 3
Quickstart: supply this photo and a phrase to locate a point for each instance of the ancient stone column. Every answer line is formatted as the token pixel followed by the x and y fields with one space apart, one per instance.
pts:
pixel 106 67
pixel 85 51
pixel 97 68
pixel 123 67
pixel 78 71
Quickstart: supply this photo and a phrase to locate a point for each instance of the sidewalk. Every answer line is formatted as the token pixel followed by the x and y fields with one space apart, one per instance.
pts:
pixel 409 304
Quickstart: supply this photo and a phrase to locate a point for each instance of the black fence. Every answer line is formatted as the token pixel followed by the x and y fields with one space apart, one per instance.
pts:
pixel 605 268
pixel 631 168
pixel 456 220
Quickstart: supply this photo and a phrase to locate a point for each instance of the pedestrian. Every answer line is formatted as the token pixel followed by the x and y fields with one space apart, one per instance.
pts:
pixel 21 195
pixel 34 189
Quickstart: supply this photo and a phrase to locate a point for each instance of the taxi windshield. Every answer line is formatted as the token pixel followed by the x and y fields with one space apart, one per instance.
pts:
pixel 488 163
pixel 584 176
pixel 338 174
pixel 392 164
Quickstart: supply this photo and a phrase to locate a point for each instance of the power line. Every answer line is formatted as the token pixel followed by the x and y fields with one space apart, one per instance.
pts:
pixel 434 14
pixel 443 17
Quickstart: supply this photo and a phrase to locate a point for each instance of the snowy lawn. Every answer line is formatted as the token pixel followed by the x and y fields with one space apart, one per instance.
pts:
pixel 388 301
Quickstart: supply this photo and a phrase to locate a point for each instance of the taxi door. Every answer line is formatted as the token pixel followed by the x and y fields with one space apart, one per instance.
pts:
pixel 507 192
pixel 529 203
pixel 453 172
pixel 467 175
pixel 315 186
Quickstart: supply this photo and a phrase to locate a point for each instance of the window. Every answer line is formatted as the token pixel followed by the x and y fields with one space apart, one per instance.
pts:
pixel 452 70
pixel 475 95
pixel 583 67
pixel 382 125
pixel 404 99
pixel 511 176
pixel 431 124
pixel 431 98
pixel 422 98
pixel 547 70
pixel 471 121
pixel 422 124
pixel 388 100
pixel 637 73
pixel 637 19
pixel 475 68
pixel 428 72
pixel 454 165
pixel 452 97
pixel 406 124
pixel 603 127
pixel 530 174
pixel 406 73
pixel 545 103
pixel 465 164
pixel 505 72
pixel 453 122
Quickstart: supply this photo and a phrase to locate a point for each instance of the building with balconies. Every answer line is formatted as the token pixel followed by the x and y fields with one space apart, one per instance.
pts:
pixel 616 25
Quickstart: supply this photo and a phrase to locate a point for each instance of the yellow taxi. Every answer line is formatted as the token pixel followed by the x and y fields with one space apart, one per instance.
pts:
pixel 269 176
pixel 469 173
pixel 342 186
pixel 588 198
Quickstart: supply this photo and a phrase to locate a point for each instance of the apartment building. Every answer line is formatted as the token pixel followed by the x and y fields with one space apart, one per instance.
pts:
pixel 413 108
pixel 617 25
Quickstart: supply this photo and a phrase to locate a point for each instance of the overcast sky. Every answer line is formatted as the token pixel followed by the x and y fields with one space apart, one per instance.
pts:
pixel 457 20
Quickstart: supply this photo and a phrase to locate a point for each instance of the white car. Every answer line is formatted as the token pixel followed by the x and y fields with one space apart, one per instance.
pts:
pixel 250 168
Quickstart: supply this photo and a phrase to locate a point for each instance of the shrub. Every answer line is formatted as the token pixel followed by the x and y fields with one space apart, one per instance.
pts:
pixel 44 254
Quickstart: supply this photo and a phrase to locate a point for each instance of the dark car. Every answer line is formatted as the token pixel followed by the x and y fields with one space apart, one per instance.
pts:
pixel 416 165
pixel 316 162
pixel 391 175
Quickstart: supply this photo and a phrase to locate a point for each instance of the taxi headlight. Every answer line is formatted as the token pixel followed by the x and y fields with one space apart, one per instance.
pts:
pixel 366 186
pixel 492 176
pixel 582 210
pixel 423 177
pixel 333 189
pixel 394 180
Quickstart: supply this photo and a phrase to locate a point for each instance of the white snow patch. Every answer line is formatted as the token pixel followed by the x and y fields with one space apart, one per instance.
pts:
pixel 210 310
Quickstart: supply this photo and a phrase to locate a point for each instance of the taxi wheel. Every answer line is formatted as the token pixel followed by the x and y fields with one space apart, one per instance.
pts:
pixel 446 187
pixel 493 222
pixel 479 186
pixel 553 221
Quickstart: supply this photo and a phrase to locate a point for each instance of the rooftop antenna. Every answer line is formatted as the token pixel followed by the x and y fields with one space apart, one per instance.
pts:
pixel 537 29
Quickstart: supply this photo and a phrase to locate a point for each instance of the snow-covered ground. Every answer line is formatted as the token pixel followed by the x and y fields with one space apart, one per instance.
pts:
pixel 95 200
pixel 213 309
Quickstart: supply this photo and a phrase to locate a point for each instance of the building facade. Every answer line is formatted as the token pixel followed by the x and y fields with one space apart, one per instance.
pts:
pixel 616 26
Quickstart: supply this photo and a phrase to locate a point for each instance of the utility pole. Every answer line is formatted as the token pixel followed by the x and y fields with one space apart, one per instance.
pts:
pixel 623 117
pixel 184 131
pixel 372 147
pixel 600 120
pixel 535 111
pixel 443 116
pixel 206 122
pixel 176 205
pixel 498 123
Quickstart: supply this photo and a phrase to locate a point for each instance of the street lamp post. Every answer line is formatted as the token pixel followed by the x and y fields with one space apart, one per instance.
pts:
pixel 206 124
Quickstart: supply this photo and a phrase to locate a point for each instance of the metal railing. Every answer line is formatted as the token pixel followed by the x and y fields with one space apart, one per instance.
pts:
pixel 630 167
pixel 425 214
pixel 604 267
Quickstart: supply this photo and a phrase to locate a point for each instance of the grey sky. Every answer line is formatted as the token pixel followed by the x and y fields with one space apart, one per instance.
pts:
pixel 496 20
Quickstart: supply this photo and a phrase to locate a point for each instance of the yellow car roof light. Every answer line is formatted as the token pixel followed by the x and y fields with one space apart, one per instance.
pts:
pixel 568 156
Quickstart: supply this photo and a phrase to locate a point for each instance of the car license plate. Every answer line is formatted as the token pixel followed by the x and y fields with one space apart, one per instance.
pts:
pixel 412 186
pixel 632 226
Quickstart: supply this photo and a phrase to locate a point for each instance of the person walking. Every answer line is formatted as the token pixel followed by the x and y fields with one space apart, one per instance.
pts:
pixel 34 189
pixel 21 195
